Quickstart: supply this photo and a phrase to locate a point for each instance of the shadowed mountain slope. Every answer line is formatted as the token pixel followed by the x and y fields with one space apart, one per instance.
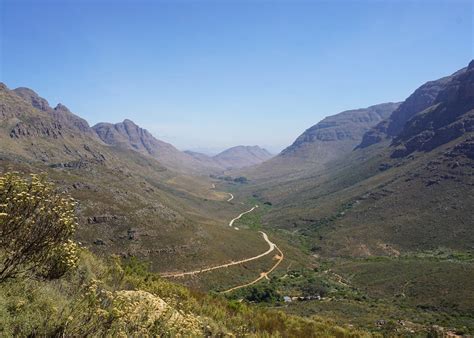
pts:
pixel 422 98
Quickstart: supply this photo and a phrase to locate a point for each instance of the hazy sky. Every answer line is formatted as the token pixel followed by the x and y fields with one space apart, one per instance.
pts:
pixel 213 74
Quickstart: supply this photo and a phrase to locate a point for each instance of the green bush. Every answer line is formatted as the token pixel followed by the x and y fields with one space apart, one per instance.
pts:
pixel 36 224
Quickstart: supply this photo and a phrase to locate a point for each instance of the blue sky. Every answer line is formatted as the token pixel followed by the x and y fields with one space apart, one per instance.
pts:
pixel 213 74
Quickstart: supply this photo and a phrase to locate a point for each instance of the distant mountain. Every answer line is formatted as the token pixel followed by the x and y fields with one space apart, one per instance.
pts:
pixel 204 159
pixel 242 156
pixel 327 140
pixel 235 157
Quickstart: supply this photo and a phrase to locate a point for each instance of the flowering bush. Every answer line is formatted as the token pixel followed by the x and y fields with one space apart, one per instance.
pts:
pixel 36 223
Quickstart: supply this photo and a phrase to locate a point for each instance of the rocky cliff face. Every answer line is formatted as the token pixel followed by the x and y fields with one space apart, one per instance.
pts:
pixel 14 110
pixel 450 116
pixel 34 99
pixel 421 99
pixel 31 129
pixel 61 114
pixel 128 134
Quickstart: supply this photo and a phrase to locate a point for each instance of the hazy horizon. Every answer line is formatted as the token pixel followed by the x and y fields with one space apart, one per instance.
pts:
pixel 206 75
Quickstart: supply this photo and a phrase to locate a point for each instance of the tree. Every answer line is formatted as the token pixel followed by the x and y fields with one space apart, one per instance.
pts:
pixel 241 179
pixel 36 226
pixel 264 292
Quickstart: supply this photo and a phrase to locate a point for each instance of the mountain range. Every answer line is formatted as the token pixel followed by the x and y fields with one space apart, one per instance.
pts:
pixel 329 139
pixel 371 206
pixel 235 158
pixel 126 183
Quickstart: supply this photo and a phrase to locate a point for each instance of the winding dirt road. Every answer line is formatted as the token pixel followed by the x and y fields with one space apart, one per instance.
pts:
pixel 238 217
pixel 271 245
pixel 262 274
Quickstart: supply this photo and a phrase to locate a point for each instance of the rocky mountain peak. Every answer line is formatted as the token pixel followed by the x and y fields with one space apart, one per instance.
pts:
pixel 62 108
pixel 471 65
pixel 33 98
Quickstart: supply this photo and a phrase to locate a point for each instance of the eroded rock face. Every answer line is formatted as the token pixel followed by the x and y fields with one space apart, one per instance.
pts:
pixel 33 98
pixel 129 135
pixel 61 114
pixel 421 99
pixel 451 116
pixel 22 129
pixel 465 148
pixel 66 117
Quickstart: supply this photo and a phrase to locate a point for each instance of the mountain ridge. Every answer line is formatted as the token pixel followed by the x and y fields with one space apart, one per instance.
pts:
pixel 332 137
pixel 422 98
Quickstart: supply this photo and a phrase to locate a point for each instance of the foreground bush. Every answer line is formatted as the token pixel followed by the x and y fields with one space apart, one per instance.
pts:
pixel 36 224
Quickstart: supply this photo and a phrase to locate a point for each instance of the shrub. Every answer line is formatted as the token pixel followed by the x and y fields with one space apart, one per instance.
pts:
pixel 36 223
pixel 263 293
pixel 241 179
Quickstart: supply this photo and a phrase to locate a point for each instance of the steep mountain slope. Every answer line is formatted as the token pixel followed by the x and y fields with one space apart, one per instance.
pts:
pixel 421 99
pixel 450 116
pixel 327 140
pixel 128 135
pixel 242 156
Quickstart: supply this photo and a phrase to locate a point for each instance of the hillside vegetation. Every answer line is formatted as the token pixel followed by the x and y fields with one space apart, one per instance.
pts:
pixel 88 296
